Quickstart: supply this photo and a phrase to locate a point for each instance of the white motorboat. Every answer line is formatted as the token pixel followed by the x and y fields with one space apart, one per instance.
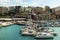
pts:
pixel 44 35
pixel 21 22
pixel 43 27
pixel 47 30
pixel 28 31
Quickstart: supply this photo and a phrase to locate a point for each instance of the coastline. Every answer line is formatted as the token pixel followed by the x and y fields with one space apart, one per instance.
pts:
pixel 10 21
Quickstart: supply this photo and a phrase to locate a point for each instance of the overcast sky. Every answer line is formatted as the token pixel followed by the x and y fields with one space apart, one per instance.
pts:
pixel 41 3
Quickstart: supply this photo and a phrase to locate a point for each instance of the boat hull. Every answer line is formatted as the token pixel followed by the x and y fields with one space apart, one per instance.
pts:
pixel 43 37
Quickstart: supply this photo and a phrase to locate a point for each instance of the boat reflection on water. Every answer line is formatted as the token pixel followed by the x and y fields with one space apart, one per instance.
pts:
pixel 44 39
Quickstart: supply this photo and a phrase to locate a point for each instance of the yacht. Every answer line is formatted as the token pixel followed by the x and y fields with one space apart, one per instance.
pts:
pixel 43 31
pixel 20 22
pixel 28 29
pixel 44 35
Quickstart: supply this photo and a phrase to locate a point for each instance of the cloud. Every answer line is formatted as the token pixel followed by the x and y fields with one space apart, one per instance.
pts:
pixel 18 2
pixel 10 2
pixel 34 4
pixel 51 3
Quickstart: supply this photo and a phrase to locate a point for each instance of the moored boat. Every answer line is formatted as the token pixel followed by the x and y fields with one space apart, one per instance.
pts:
pixel 44 35
pixel 28 31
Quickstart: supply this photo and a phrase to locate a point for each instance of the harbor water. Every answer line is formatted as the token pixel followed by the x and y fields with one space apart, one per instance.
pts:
pixel 12 33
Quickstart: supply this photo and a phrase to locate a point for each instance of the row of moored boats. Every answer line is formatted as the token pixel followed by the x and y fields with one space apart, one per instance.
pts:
pixel 38 30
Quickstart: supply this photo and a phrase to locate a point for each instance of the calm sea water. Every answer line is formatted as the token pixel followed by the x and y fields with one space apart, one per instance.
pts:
pixel 12 33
